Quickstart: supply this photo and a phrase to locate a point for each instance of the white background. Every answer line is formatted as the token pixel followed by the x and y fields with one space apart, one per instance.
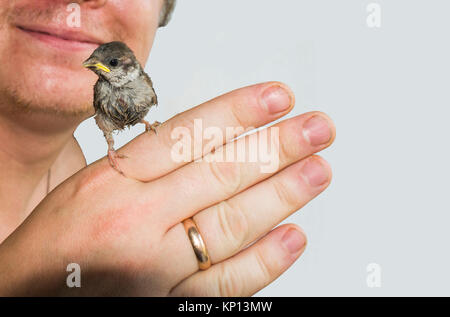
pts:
pixel 387 91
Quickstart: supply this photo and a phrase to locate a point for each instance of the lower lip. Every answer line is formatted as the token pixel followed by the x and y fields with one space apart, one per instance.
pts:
pixel 59 43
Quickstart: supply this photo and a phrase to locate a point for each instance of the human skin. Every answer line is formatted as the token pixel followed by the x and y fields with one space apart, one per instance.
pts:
pixel 126 232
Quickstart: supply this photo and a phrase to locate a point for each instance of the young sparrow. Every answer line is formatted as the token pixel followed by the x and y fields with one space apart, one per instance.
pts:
pixel 123 93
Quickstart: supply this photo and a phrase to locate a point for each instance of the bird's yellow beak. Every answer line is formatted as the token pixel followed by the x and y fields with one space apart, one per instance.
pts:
pixel 96 66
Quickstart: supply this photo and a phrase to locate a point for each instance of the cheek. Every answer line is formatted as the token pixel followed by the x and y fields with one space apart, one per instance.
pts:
pixel 139 20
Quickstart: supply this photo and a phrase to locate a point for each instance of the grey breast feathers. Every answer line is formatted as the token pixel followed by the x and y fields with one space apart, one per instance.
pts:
pixel 127 105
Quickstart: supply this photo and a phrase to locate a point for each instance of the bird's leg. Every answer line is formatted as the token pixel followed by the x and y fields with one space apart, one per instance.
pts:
pixel 151 127
pixel 112 154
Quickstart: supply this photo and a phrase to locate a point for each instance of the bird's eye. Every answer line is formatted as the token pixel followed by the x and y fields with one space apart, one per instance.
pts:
pixel 114 62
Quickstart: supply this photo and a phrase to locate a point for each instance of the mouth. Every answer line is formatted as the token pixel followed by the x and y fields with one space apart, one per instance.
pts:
pixel 61 38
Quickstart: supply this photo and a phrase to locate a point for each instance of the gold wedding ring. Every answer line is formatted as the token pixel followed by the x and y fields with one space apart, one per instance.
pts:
pixel 198 245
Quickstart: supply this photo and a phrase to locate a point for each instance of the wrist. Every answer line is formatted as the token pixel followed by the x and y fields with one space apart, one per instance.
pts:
pixel 26 269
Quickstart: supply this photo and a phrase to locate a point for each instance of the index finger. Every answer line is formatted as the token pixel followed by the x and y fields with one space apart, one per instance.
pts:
pixel 150 155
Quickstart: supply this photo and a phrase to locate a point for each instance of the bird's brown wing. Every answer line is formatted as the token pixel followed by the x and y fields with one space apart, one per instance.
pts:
pixel 154 100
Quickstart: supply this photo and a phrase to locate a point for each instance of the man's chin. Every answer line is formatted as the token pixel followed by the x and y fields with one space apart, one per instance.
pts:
pixel 56 95
pixel 45 104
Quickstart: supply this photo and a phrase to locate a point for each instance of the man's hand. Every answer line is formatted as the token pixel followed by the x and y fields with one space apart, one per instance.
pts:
pixel 127 235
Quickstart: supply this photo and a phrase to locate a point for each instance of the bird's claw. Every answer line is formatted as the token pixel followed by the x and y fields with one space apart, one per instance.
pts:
pixel 152 127
pixel 112 157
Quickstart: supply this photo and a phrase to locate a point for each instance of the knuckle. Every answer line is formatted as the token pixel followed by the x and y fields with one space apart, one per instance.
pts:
pixel 178 124
pixel 227 174
pixel 91 179
pixel 288 151
pixel 233 224
pixel 285 194
pixel 238 115
pixel 265 272
pixel 229 281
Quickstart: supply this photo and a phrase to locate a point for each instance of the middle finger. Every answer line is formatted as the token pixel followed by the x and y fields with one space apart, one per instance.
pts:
pixel 202 184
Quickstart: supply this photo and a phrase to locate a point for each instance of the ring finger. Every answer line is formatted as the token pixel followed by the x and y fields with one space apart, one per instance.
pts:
pixel 250 270
pixel 228 227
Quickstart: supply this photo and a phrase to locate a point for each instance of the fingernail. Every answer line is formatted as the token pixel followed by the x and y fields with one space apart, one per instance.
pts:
pixel 317 130
pixel 314 173
pixel 293 240
pixel 275 99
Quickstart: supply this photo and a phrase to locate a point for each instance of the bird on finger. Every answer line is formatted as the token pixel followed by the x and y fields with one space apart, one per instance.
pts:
pixel 123 93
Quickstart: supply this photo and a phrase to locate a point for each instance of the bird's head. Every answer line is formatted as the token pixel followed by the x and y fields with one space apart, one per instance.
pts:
pixel 114 62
